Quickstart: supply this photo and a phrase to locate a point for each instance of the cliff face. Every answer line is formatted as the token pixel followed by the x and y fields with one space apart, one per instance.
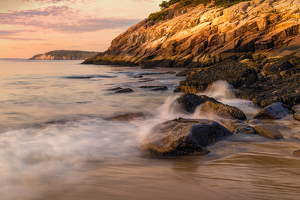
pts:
pixel 64 55
pixel 204 35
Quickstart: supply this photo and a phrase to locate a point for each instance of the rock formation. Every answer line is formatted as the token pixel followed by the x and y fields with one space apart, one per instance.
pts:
pixel 206 34
pixel 64 55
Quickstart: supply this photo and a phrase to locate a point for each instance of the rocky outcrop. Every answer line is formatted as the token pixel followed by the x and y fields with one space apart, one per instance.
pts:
pixel 207 34
pixel 64 55
pixel 274 111
pixel 124 90
pixel 235 73
pixel 183 137
pixel 223 110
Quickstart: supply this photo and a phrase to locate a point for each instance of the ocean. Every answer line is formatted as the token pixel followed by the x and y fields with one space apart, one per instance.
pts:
pixel 55 141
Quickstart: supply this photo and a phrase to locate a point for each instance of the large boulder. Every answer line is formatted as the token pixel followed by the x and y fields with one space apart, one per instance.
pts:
pixel 183 137
pixel 222 110
pixel 274 111
pixel 235 73
pixel 238 126
pixel 188 102
pixel 268 131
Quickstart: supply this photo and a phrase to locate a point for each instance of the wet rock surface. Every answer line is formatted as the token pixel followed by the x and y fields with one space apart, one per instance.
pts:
pixel 183 137
pixel 223 110
pixel 188 102
pixel 128 117
pixel 274 111
pixel 125 90
pixel 238 126
pixel 268 131
pixel 235 73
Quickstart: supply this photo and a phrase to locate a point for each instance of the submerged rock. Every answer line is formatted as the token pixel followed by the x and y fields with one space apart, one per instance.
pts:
pixel 222 110
pixel 160 88
pixel 188 102
pixel 296 153
pixel 125 90
pixel 274 111
pixel 183 137
pixel 128 117
pixel 254 122
pixel 268 131
pixel 177 89
pixel 238 126
pixel 114 89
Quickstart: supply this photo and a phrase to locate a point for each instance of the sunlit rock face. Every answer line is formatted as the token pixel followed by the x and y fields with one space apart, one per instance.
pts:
pixel 204 35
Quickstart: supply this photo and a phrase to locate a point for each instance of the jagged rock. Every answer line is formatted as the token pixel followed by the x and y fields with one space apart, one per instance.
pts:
pixel 274 111
pixel 276 68
pixel 188 102
pixel 183 137
pixel 235 73
pixel 222 110
pixel 238 126
pixel 267 131
pixel 125 90
pixel 254 122
pixel 128 117
pixel 207 34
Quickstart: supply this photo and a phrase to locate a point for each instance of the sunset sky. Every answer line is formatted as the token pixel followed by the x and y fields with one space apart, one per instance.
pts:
pixel 30 27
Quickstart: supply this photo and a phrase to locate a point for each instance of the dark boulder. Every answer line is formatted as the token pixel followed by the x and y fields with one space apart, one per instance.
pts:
pixel 177 89
pixel 183 137
pixel 296 108
pixel 222 110
pixel 188 102
pixel 276 68
pixel 268 131
pixel 274 111
pixel 297 116
pixel 238 126
pixel 127 117
pixel 125 90
pixel 235 73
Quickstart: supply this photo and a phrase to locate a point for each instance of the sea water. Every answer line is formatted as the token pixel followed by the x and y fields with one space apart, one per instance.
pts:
pixel 56 144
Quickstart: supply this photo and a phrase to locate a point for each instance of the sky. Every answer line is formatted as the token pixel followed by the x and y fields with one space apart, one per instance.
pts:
pixel 30 27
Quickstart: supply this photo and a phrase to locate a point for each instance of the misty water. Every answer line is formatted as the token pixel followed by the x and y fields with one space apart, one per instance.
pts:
pixel 56 144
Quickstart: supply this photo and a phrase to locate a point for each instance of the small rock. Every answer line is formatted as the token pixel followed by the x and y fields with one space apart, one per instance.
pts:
pixel 150 86
pixel 177 89
pixel 137 76
pixel 238 126
pixel 222 110
pixel 297 116
pixel 148 67
pixel 170 72
pixel 160 88
pixel 274 111
pixel 183 137
pixel 127 117
pixel 296 108
pixel 254 122
pixel 267 131
pixel 114 89
pixel 125 90
pixel 296 153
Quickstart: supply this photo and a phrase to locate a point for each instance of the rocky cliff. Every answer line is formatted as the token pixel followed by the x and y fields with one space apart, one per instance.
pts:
pixel 207 34
pixel 64 55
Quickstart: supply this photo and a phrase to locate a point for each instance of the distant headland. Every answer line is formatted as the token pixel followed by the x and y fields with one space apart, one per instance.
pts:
pixel 64 55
